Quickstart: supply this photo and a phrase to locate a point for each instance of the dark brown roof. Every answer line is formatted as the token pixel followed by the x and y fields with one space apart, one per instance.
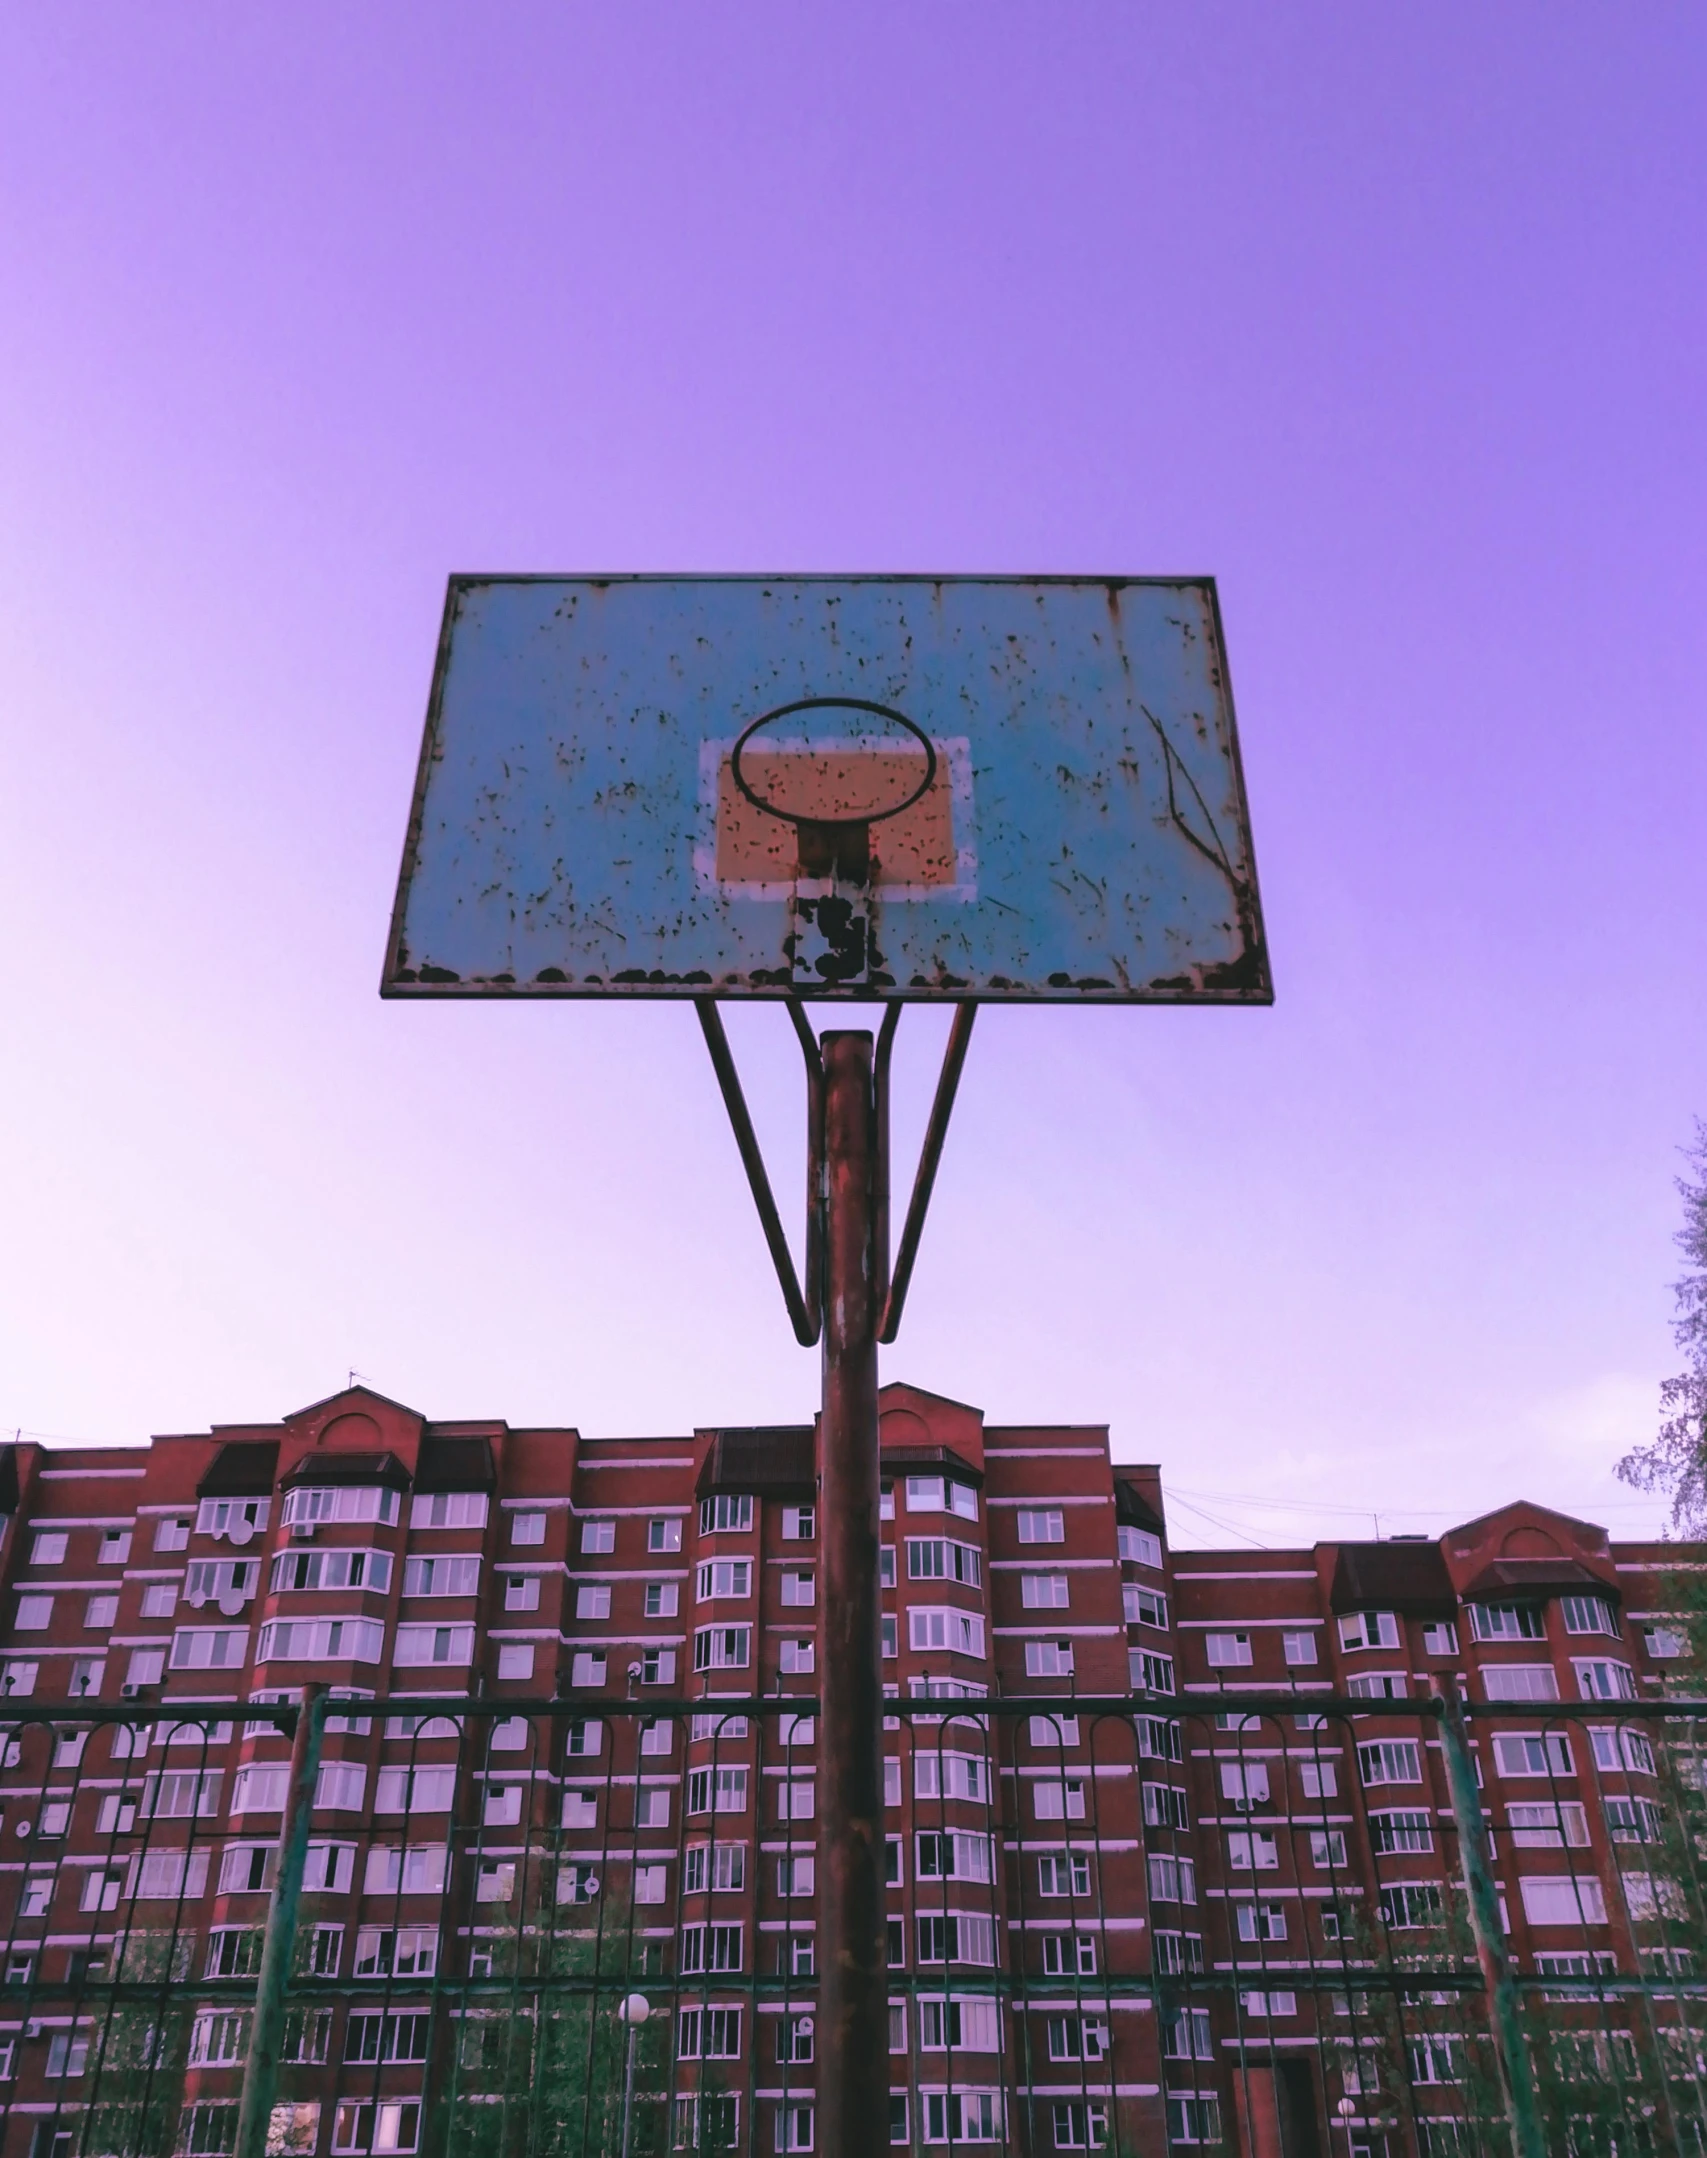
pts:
pixel 242 1469
pixel 454 1465
pixel 1406 1577
pixel 1531 1580
pixel 8 1479
pixel 319 1467
pixel 912 1460
pixel 773 1459
pixel 1133 1508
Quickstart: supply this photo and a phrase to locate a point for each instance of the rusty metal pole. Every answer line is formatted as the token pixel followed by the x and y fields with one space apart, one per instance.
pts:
pixel 853 2005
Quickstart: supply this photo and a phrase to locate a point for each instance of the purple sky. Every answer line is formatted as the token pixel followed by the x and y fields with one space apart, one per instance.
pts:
pixel 1391 319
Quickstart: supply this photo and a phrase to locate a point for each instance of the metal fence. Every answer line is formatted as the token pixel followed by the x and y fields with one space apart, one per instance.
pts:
pixel 1131 1924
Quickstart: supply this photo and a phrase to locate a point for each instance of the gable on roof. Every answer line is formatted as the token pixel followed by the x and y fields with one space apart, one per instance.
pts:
pixel 242 1469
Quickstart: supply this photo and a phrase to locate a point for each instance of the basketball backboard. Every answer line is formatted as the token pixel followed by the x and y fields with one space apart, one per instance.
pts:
pixel 1019 789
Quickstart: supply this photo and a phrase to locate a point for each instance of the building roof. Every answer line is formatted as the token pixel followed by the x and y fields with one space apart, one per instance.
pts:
pixel 772 1459
pixel 1406 1577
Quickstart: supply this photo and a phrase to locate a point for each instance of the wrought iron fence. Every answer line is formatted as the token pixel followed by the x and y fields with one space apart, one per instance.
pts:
pixel 1129 1924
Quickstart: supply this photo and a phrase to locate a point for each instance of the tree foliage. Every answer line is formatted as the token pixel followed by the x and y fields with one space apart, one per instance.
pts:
pixel 1675 1461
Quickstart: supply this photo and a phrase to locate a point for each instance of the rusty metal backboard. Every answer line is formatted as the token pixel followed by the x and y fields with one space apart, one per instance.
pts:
pixel 865 787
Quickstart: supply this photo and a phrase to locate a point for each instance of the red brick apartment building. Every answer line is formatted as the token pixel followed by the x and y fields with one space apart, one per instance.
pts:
pixel 1108 1928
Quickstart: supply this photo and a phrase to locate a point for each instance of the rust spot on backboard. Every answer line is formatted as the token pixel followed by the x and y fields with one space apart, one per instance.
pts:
pixel 914 848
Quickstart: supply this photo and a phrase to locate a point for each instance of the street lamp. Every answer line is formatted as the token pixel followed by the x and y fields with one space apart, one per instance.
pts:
pixel 634 2011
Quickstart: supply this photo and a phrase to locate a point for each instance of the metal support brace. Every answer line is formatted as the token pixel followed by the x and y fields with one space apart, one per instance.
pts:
pixel 266 2037
pixel 804 1293
pixel 1511 2051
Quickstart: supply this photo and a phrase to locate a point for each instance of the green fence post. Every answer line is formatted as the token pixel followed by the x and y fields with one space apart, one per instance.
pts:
pixel 266 2036
pixel 1511 2051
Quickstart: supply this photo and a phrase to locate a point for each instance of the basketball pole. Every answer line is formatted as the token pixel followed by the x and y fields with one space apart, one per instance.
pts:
pixel 853 2010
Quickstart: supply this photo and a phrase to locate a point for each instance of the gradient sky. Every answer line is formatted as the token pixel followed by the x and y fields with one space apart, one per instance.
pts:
pixel 1392 319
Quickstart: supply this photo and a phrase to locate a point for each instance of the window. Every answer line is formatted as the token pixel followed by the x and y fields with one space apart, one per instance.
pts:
pixel 1049 1659
pixel 1149 1673
pixel 1059 1800
pixel 794 2125
pixel 1390 1760
pixel 448 1510
pixel 706 2121
pixel 898 2132
pixel 415 1790
pixel 20 1677
pixel 592 1602
pixel 330 1640
pixel 944 1626
pixel 172 1533
pixel 114 1547
pixel 797 1657
pixel 361 1569
pixel 1042 1525
pixel 1080 2126
pixel 385 2125
pixel 1507 1622
pixel 951 1855
pixel 658 1667
pixel 598 1537
pixel 1407 1829
pixel 709 2034
pixel 314 1503
pixel 795 1876
pixel 1142 1606
pixel 962 2024
pixel 963 2116
pixel 1327 1849
pixel 1255 1850
pixel 586 1669
pixel 1226 1650
pixel 1663 1642
pixel 949 1775
pixel 889 1634
pixel 1198 2120
pixel 1369 1629
pixel 1139 1548
pixel 441 1577
pixel 718 1726
pixel 886 1565
pixel 35 1614
pixel 1589 1614
pixel 48 1547
pixel 1621 1748
pixel 1244 1784
pixel 940 1558
pixel 417 1871
pixel 210 1648
pixel 799 1524
pixel 663 1535
pixel 1440 1638
pixel 325 1950
pixel 1158 1739
pixel 717 1790
pixel 722 1648
pixel 1064 1874
pixel 725 1577
pixel 1053 1732
pixel 1631 1820
pixel 710 1948
pixel 417 1645
pixel 1065 1954
pixel 1523 1753
pixel 724 1514
pixel 661 1599
pixel 179 1794
pixel 1044 1592
pixel 1600 1680
pixel 1562 1899
pixel 1172 1879
pixel 1406 1905
pixel 585 1738
pixel 1164 1806
pixel 528 1528
pixel 1260 1921
pixel 1549 1826
pixel 1185 2035
pixel 237 1521
pixel 407 1952
pixel 1298 1648
pixel 954 1937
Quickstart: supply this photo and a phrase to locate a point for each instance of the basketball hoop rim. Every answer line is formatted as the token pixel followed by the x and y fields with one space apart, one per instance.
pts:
pixel 846 704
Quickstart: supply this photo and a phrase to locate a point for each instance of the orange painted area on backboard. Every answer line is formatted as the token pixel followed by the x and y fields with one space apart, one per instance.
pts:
pixel 914 848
